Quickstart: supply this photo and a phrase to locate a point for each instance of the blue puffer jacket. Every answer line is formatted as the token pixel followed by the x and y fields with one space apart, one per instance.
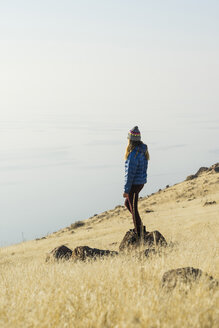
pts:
pixel 136 167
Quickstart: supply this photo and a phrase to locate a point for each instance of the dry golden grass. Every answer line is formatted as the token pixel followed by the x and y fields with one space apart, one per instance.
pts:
pixel 122 291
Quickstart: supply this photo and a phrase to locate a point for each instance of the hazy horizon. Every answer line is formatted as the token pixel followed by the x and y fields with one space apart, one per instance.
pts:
pixel 75 77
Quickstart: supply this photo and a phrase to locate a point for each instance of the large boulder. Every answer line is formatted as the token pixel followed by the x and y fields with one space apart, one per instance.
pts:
pixel 150 240
pixel 60 253
pixel 83 253
pixel 185 277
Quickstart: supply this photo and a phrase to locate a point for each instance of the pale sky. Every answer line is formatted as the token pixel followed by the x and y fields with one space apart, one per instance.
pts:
pixel 75 77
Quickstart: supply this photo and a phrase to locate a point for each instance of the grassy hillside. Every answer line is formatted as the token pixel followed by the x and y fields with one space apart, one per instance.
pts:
pixel 122 291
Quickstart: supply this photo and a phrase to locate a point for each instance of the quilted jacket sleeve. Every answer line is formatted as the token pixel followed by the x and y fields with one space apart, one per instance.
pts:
pixel 130 169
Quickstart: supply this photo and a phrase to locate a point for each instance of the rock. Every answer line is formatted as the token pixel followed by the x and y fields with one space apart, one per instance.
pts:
pixel 191 177
pixel 202 170
pixel 185 276
pixel 150 239
pixel 210 203
pixel 83 253
pixel 60 253
pixel 215 167
pixel 199 172
pixel 212 168
pixel 148 211
pixel 40 238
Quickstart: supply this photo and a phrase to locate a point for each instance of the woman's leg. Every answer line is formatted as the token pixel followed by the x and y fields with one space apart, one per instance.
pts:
pixel 138 220
pixel 131 203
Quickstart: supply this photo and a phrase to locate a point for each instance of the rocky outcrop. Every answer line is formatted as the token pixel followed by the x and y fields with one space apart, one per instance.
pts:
pixel 199 172
pixel 83 253
pixel 202 170
pixel 213 169
pixel 186 276
pixel 150 239
pixel 60 253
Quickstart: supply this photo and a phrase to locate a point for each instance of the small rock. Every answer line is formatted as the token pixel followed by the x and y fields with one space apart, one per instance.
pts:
pixel 148 211
pixel 40 238
pixel 60 253
pixel 83 253
pixel 191 177
pixel 185 276
pixel 210 203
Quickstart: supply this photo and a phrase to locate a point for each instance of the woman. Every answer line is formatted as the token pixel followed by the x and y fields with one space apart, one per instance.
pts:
pixel 136 164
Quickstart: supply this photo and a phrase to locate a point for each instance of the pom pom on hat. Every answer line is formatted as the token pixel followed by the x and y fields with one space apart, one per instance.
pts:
pixel 134 134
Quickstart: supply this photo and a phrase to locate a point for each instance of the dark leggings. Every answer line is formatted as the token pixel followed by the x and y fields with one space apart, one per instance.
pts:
pixel 131 203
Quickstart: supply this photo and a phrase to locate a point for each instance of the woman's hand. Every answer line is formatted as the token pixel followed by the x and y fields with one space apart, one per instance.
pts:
pixel 125 195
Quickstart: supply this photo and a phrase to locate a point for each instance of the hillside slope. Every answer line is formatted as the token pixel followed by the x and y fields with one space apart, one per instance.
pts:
pixel 122 291
pixel 179 212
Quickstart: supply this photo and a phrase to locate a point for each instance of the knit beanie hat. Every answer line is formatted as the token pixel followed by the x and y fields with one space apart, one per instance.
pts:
pixel 134 134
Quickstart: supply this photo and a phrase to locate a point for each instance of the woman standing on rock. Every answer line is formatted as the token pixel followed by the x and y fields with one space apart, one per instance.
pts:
pixel 136 163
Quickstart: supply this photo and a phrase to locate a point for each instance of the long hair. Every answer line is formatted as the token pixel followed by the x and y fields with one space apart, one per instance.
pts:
pixel 132 145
